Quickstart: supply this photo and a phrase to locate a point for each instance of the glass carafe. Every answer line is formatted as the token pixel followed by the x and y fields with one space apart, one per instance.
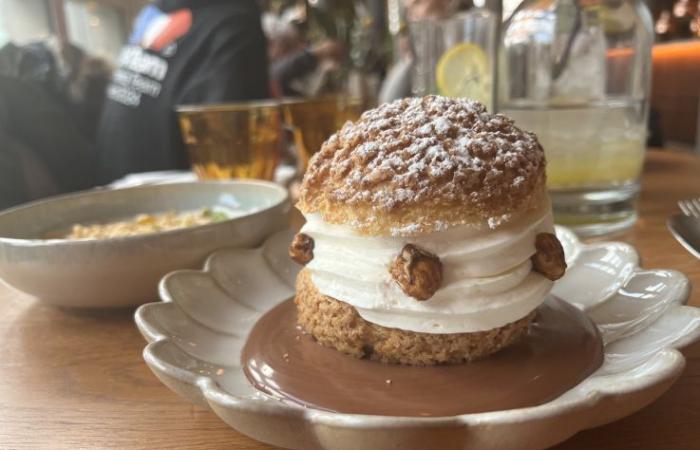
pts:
pixel 577 73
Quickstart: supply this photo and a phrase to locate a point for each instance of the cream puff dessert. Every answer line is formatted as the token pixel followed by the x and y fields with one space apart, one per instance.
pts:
pixel 429 236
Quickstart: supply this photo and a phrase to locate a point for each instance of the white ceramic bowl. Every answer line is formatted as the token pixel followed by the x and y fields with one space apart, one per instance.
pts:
pixel 125 271
pixel 196 335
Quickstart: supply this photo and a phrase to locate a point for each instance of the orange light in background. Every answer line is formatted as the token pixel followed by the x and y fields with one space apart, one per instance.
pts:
pixel 676 51
pixel 675 88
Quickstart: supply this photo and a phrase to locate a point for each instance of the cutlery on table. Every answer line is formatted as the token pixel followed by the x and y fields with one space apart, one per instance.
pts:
pixel 686 227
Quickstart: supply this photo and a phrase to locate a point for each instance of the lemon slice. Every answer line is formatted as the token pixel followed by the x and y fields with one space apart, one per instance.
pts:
pixel 463 71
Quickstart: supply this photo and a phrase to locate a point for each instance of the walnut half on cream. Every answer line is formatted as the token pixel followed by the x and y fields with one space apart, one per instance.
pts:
pixel 418 272
pixel 301 249
pixel 549 258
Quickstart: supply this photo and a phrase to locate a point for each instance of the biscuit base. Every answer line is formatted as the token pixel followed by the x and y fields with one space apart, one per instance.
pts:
pixel 338 325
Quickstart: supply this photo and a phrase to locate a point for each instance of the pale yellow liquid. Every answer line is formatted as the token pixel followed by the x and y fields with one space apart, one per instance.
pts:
pixel 587 147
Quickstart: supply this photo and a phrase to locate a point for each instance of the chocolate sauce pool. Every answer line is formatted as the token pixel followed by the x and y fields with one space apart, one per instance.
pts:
pixel 561 349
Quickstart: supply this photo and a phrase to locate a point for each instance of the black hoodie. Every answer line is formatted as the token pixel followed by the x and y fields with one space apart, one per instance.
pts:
pixel 180 52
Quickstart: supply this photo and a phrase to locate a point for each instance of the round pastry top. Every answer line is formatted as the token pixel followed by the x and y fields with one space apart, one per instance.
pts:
pixel 419 165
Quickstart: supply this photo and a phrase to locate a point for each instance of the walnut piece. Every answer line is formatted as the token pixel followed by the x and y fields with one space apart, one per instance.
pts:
pixel 301 249
pixel 418 272
pixel 549 258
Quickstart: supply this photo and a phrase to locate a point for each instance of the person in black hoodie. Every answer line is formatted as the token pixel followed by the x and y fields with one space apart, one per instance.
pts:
pixel 180 52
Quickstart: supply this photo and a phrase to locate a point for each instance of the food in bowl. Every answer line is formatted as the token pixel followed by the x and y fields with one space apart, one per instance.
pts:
pixel 151 223
pixel 36 257
pixel 429 254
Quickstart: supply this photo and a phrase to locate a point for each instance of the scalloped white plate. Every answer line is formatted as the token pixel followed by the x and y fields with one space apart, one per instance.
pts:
pixel 196 334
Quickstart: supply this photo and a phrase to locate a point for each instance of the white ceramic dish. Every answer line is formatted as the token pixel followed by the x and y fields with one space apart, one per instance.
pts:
pixel 196 334
pixel 126 271
pixel 284 174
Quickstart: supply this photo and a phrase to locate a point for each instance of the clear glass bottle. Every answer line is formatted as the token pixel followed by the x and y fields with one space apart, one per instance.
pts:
pixel 577 73
pixel 455 55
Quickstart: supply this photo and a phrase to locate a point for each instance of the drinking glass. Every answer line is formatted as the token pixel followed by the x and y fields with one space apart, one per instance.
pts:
pixel 577 73
pixel 455 57
pixel 239 140
pixel 312 121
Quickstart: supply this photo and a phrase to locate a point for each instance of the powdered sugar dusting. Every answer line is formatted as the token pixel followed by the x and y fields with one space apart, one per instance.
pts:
pixel 432 150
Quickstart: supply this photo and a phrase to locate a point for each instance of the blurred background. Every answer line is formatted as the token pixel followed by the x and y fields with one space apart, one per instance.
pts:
pixel 82 102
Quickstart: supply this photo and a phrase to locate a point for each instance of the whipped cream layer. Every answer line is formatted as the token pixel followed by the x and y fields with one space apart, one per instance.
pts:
pixel 488 280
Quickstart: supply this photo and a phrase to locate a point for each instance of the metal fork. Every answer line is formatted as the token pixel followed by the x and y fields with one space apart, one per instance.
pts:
pixel 690 207
pixel 686 228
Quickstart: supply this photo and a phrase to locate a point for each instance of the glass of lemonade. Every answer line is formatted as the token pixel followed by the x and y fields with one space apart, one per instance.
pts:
pixel 455 57
pixel 577 73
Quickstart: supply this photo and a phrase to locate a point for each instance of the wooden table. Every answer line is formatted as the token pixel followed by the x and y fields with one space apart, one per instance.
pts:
pixel 72 380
